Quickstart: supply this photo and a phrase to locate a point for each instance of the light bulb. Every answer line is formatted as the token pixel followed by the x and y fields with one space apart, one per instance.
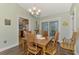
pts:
pixel 30 10
pixel 37 13
pixel 39 10
pixel 34 8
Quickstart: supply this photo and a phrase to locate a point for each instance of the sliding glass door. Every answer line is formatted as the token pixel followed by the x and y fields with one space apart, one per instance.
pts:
pixel 45 26
pixel 51 27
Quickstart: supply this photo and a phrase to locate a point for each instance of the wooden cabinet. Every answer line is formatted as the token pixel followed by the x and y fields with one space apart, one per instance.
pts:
pixel 23 28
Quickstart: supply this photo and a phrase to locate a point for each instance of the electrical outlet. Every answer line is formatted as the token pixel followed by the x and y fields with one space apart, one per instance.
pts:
pixel 5 41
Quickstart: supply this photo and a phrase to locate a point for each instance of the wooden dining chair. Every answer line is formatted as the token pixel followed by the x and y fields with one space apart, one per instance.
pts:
pixel 22 42
pixel 69 44
pixel 52 47
pixel 32 47
pixel 45 34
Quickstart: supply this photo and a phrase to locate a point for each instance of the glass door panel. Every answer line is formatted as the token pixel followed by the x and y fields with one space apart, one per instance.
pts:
pixel 45 26
pixel 53 27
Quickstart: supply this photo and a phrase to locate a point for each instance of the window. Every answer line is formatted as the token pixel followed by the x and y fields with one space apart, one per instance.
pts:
pixel 45 26
pixel 51 27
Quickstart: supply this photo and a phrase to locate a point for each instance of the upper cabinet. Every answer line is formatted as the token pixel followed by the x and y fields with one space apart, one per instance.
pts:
pixel 23 24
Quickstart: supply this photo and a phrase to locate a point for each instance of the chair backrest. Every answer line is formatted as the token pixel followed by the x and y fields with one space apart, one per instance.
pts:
pixel 45 34
pixel 25 33
pixel 21 33
pixel 31 37
pixel 55 39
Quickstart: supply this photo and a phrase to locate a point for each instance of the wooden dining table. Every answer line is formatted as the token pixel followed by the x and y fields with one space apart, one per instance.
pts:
pixel 42 43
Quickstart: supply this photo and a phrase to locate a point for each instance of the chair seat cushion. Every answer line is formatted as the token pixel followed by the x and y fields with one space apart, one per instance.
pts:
pixel 68 46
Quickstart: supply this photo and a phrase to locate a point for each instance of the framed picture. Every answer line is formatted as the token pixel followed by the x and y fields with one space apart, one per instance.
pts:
pixel 65 23
pixel 7 22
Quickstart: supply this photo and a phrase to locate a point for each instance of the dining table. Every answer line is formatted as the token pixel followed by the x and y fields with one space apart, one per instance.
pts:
pixel 41 42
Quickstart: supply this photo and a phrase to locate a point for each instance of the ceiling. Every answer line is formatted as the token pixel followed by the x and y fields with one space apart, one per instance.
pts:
pixel 48 9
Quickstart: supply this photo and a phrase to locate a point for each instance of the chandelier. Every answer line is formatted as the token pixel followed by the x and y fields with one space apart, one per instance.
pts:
pixel 34 11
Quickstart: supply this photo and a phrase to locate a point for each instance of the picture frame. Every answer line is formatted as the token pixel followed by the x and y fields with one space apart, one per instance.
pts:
pixel 7 22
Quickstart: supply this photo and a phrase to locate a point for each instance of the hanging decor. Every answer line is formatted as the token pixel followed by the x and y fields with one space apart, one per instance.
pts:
pixel 7 22
pixel 65 23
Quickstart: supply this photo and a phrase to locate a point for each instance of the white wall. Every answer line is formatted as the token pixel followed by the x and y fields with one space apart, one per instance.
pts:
pixel 32 24
pixel 10 33
pixel 63 31
pixel 77 27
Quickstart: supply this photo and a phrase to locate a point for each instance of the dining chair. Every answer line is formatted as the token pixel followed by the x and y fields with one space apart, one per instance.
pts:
pixel 52 47
pixel 22 42
pixel 69 44
pixel 31 46
pixel 45 34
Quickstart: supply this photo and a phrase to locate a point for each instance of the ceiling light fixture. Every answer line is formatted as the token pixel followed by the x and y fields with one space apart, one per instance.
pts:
pixel 34 11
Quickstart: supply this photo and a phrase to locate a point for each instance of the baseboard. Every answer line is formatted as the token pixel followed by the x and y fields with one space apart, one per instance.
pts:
pixel 3 49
